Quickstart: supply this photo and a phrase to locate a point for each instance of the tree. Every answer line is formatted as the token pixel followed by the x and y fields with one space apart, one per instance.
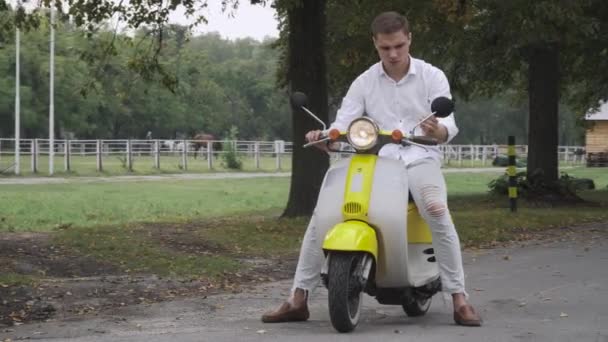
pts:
pixel 306 72
pixel 546 47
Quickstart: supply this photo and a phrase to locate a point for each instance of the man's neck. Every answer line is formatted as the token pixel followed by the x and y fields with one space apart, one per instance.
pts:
pixel 399 71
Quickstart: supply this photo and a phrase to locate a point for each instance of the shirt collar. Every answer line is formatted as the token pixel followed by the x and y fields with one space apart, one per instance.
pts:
pixel 412 71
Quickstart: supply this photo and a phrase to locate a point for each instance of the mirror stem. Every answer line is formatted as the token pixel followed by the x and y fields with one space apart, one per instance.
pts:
pixel 314 116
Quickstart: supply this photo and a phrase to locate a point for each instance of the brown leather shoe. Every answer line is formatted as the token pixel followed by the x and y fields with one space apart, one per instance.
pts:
pixel 290 312
pixel 466 316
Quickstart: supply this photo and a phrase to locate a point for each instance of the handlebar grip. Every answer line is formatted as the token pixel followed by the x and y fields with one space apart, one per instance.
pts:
pixel 424 140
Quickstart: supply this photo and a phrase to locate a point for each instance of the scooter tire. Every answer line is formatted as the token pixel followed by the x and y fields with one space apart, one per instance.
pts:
pixel 344 293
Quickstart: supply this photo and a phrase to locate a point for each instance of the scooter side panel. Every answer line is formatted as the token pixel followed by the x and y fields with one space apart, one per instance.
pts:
pixel 388 210
pixel 328 211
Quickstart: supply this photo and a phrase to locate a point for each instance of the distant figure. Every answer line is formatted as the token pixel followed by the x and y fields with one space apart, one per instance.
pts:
pixel 200 140
pixel 149 135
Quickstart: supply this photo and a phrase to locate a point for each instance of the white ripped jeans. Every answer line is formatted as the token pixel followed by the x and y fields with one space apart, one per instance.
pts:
pixel 428 188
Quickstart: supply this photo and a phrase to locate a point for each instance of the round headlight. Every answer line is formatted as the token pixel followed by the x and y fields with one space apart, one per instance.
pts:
pixel 362 133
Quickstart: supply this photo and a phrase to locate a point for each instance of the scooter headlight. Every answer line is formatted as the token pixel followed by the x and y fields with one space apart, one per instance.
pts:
pixel 362 133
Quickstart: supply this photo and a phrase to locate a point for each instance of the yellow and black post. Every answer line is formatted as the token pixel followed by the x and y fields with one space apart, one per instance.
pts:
pixel 512 172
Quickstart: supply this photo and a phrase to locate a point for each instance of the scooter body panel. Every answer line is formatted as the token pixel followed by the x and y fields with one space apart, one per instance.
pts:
pixel 399 263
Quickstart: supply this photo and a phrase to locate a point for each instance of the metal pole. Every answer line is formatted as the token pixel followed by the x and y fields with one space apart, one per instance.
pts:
pixel 210 154
pixel 51 94
pixel 66 155
pixel 157 154
pixel 129 156
pixel 185 155
pixel 512 174
pixel 17 102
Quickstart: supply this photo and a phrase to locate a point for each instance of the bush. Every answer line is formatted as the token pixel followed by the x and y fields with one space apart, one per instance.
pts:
pixel 231 159
pixel 537 185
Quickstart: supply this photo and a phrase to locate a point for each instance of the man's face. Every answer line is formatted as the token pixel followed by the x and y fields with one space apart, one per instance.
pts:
pixel 393 48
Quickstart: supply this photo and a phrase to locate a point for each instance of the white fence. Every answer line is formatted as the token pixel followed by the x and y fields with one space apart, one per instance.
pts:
pixel 184 150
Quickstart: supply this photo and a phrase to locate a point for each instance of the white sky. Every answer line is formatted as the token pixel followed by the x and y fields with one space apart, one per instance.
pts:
pixel 248 20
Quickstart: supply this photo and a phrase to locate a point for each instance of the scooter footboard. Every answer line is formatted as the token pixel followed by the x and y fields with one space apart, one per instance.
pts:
pixel 354 236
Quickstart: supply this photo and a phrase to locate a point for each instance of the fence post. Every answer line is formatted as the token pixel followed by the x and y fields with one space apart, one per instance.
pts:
pixel 66 156
pixel 459 151
pixel 256 155
pixel 98 156
pixel 185 155
pixel 34 149
pixel 157 154
pixel 473 154
pixel 277 151
pixel 209 155
pixel 484 151
pixel 129 156
pixel 512 174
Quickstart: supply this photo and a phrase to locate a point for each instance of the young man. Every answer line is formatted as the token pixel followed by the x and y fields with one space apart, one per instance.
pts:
pixel 396 92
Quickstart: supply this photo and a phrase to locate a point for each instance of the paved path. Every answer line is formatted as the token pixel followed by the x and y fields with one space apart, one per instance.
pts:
pixel 550 291
pixel 187 176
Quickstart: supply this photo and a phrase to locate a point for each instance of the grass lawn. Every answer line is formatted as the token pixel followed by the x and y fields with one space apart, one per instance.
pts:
pixel 120 222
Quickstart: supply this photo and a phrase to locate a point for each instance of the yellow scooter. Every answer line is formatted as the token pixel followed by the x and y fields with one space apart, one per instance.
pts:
pixel 374 239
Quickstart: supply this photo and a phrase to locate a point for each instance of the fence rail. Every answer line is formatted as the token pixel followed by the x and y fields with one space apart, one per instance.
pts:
pixel 179 153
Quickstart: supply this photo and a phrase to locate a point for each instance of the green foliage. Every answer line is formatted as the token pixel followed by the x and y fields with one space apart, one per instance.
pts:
pixel 231 159
pixel 108 85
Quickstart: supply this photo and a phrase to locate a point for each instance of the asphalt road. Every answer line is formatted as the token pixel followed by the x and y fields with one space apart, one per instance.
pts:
pixel 554 290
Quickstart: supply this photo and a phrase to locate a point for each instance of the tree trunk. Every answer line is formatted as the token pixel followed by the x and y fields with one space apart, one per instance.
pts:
pixel 307 73
pixel 543 94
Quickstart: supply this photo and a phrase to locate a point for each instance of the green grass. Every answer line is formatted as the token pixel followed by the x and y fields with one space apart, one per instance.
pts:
pixel 47 206
pixel 480 219
pixel 134 251
pixel 136 248
pixel 15 279
pixel 43 207
pixel 114 165
pixel 117 222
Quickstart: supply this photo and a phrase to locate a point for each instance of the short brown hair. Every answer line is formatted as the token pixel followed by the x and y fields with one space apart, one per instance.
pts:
pixel 390 22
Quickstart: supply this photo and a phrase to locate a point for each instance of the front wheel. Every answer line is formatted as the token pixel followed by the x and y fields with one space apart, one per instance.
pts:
pixel 345 290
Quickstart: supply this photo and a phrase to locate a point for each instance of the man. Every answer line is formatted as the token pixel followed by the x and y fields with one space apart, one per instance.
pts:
pixel 396 92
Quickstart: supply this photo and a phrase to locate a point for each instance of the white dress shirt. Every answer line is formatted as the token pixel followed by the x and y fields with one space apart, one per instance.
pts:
pixel 398 105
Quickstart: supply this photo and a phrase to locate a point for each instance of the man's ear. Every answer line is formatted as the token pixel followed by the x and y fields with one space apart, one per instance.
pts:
pixel 374 40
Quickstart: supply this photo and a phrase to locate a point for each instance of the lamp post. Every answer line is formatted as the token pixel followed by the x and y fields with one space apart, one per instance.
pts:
pixel 51 93
pixel 17 100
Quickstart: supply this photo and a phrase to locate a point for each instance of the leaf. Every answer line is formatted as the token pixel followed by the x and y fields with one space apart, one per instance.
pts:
pixel 563 314
pixel 261 331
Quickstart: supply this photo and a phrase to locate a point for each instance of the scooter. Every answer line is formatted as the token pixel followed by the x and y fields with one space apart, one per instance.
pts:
pixel 374 239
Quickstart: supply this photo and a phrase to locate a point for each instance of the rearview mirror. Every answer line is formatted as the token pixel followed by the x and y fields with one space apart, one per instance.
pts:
pixel 442 107
pixel 298 100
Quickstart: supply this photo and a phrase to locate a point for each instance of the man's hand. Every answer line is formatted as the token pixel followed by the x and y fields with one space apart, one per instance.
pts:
pixel 314 136
pixel 432 128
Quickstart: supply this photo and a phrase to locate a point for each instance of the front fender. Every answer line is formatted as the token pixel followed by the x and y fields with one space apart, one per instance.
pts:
pixel 352 236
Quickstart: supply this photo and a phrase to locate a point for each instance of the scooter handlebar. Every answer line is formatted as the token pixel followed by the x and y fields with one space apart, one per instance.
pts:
pixel 423 140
